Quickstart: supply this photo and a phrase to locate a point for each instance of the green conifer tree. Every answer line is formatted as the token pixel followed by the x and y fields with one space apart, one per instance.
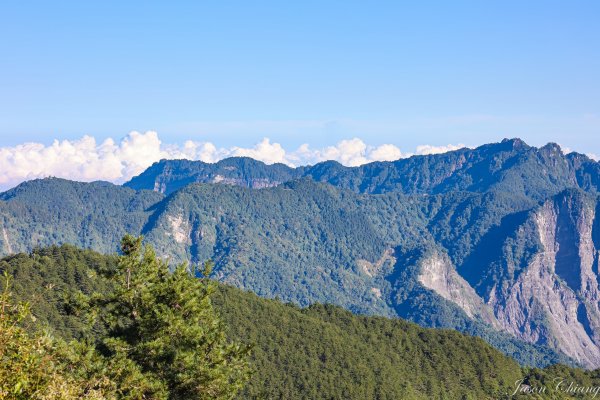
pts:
pixel 165 324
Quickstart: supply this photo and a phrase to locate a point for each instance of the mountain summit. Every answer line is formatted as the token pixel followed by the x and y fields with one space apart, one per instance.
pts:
pixel 535 172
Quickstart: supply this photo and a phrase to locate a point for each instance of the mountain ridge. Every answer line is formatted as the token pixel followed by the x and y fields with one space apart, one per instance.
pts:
pixel 462 169
pixel 446 246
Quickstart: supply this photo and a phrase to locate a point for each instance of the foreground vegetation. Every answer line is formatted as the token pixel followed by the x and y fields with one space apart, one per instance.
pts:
pixel 83 298
pixel 153 335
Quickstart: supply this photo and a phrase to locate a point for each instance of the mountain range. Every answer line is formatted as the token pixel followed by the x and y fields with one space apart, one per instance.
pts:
pixel 501 241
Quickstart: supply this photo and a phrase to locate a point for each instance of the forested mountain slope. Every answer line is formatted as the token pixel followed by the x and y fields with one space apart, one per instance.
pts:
pixel 317 352
pixel 168 176
pixel 55 211
pixel 499 241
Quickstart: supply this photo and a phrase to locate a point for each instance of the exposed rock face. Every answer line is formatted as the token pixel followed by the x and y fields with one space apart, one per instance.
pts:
pixel 373 269
pixel 180 229
pixel 376 292
pixel 162 184
pixel 555 299
pixel 254 183
pixel 438 274
pixel 545 291
pixel 7 245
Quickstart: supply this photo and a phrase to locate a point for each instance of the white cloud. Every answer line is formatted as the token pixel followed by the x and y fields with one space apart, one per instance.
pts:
pixel 264 151
pixel 428 149
pixel 565 149
pixel 386 152
pixel 87 160
pixel 351 152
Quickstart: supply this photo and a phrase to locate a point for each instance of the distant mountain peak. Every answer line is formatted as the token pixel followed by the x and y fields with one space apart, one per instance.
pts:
pixel 167 176
pixel 552 147
pixel 514 144
pixel 533 171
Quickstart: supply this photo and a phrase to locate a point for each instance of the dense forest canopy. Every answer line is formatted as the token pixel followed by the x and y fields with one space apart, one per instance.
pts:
pixel 321 351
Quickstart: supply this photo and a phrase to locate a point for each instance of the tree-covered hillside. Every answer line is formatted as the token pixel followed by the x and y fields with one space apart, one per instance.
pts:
pixel 167 176
pixel 316 352
pixel 444 240
pixel 56 211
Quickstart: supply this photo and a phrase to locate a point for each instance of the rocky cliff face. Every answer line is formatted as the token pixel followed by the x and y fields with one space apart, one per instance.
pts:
pixel 6 242
pixel 438 274
pixel 554 299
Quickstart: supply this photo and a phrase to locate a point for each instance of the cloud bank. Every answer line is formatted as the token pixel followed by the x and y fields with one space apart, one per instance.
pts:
pixel 87 160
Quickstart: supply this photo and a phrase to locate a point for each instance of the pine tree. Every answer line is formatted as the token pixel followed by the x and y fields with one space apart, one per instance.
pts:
pixel 164 323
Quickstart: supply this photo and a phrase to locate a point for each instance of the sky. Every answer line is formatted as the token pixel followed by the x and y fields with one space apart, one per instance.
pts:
pixel 355 81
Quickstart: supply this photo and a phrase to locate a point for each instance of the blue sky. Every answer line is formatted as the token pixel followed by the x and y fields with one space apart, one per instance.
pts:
pixel 405 73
